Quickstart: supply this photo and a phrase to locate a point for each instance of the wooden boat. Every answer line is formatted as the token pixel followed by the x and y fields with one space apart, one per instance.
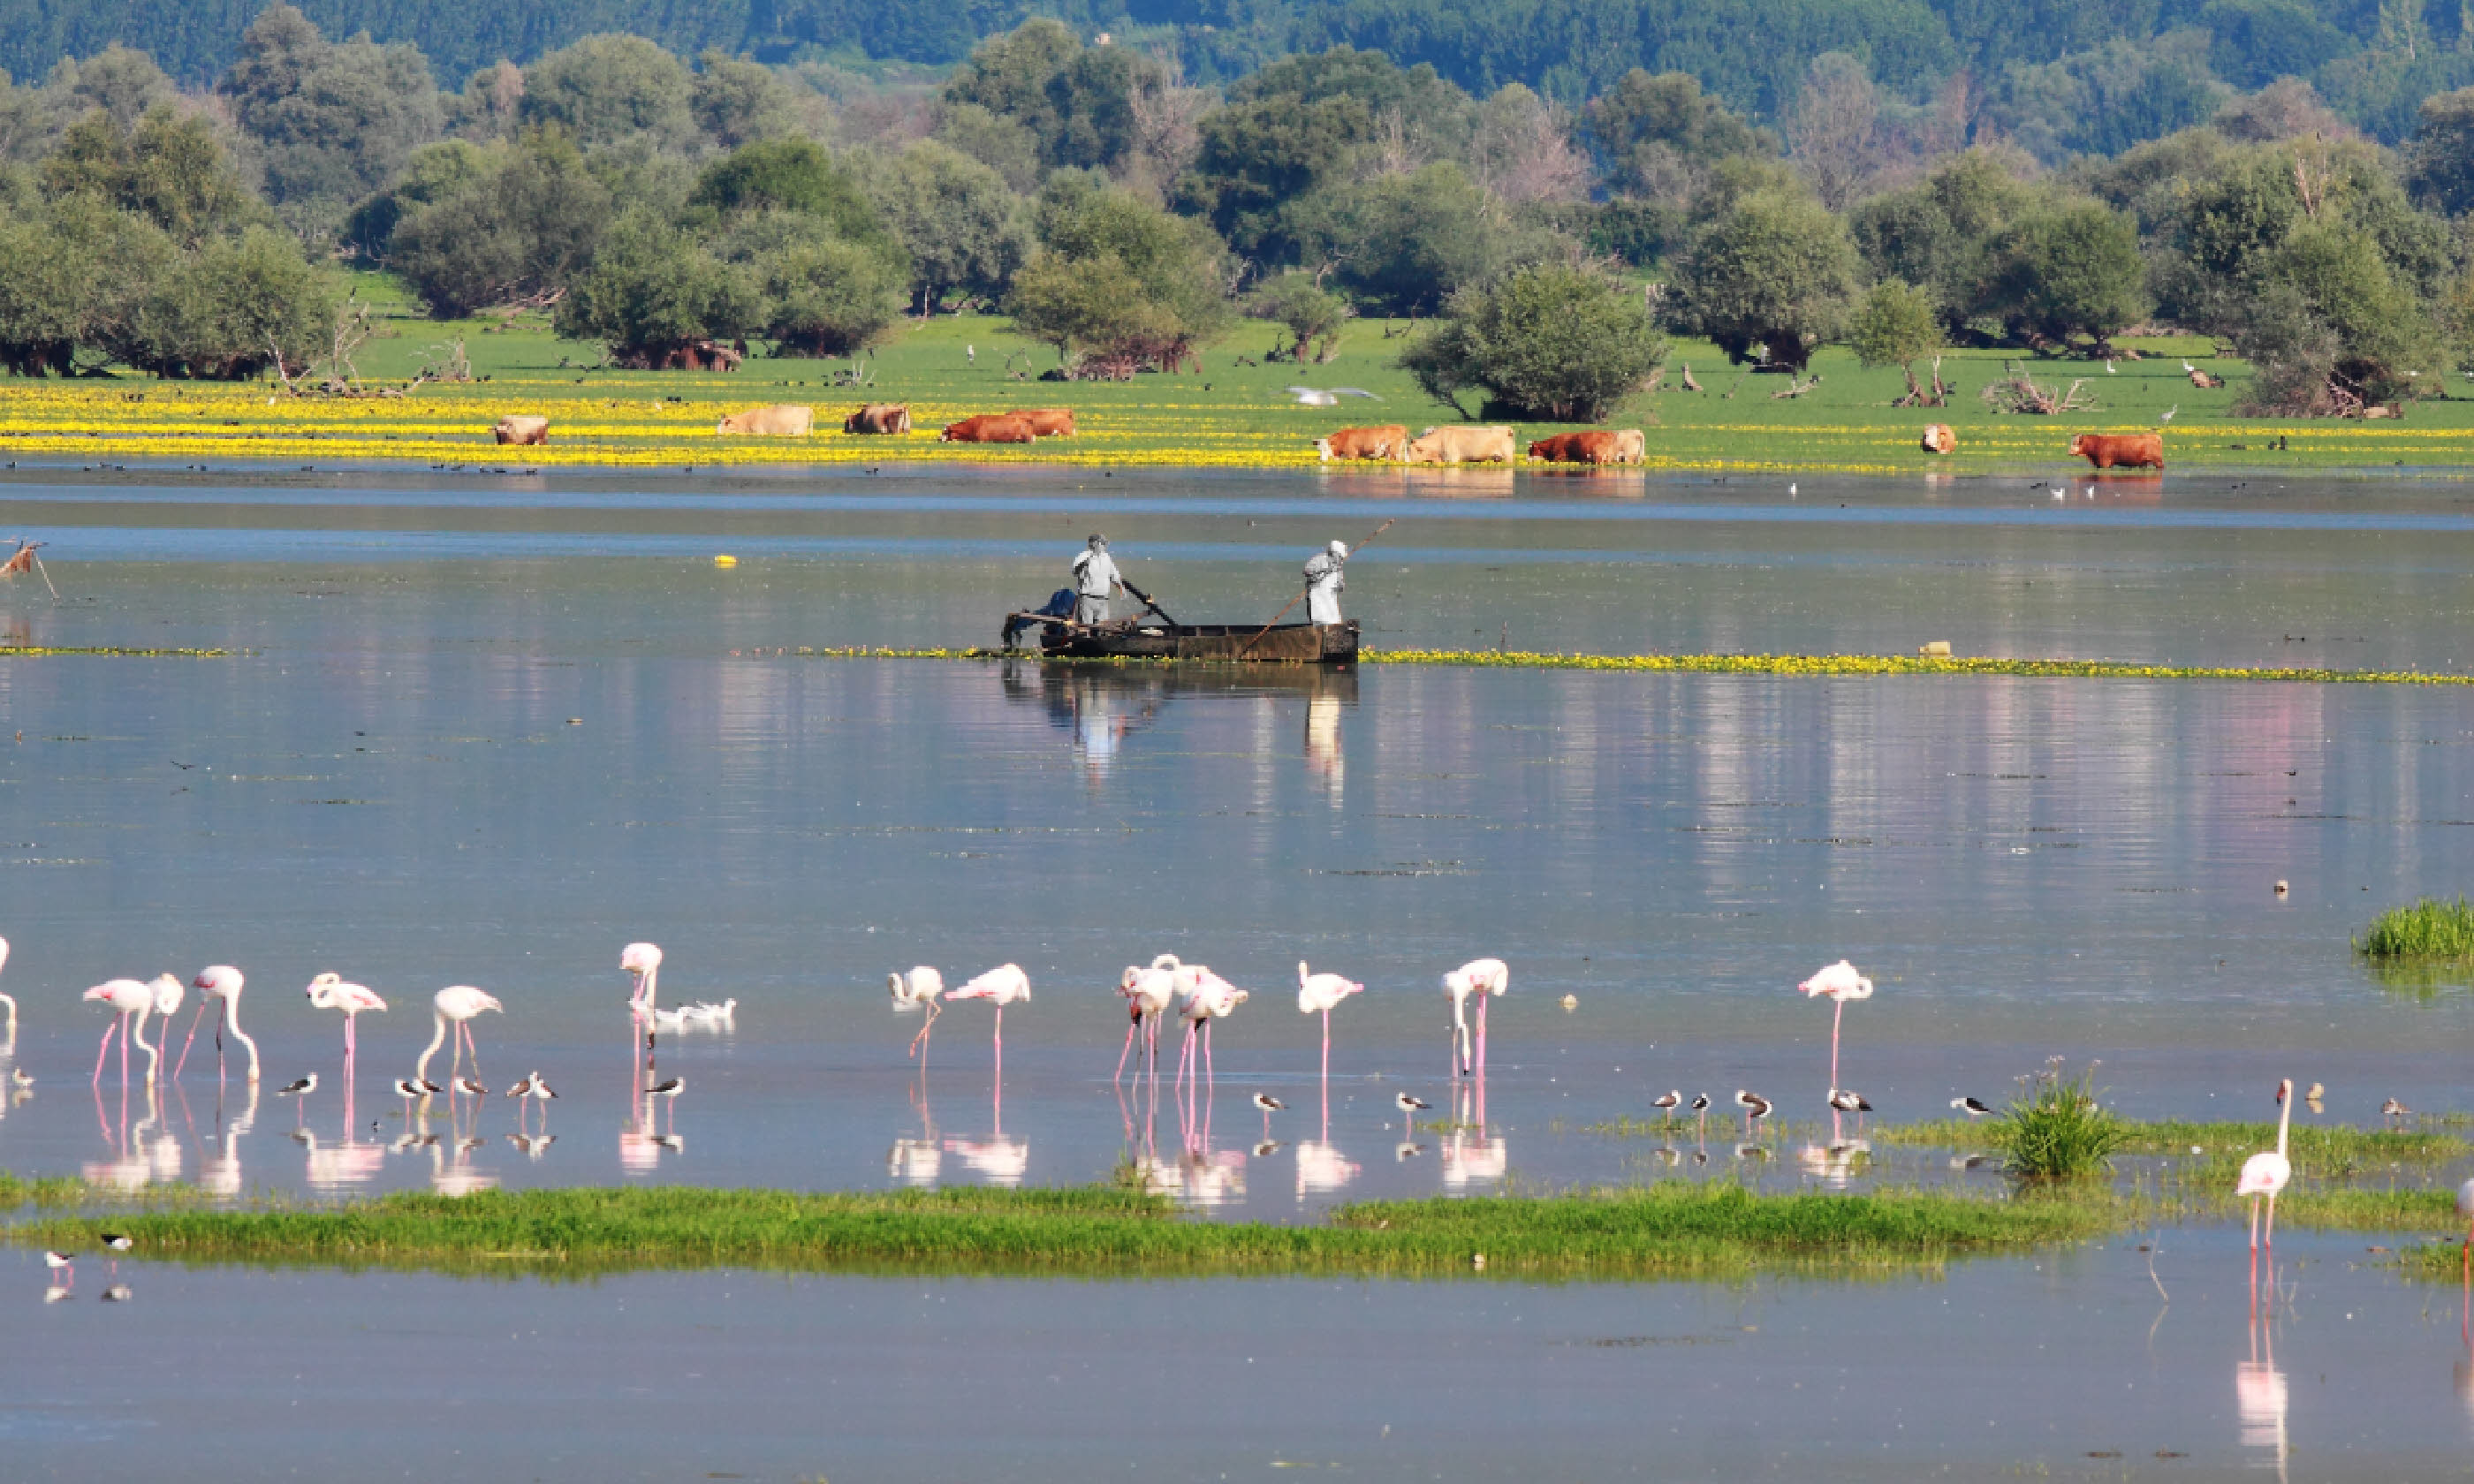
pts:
pixel 1150 638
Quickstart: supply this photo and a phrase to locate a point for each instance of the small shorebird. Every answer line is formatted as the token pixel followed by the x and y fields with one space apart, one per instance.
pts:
pixel 669 1088
pixel 1668 1104
pixel 20 1079
pixel 118 1241
pixel 1970 1106
pixel 1846 1101
pixel 1754 1105
pixel 299 1088
pixel 474 1086
pixel 1269 1106
pixel 2319 1090
pixel 60 1263
pixel 1701 1111
pixel 2395 1112
pixel 1411 1106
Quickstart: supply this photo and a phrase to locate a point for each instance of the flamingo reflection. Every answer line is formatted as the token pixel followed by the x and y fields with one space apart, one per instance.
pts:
pixel 456 1176
pixel 219 1173
pixel 917 1161
pixel 2260 1391
pixel 336 1166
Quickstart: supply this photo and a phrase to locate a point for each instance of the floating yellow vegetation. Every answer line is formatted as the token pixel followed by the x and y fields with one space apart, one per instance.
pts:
pixel 110 651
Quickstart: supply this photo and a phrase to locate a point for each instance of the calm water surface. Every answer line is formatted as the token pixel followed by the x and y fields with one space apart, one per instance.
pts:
pixel 487 730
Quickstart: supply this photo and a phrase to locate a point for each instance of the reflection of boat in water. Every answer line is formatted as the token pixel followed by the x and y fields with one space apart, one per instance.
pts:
pixel 1154 638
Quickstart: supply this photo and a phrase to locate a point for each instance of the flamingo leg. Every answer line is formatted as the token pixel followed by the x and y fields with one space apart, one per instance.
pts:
pixel 2254 1224
pixel 104 1048
pixel 192 1038
pixel 1834 1017
pixel 1481 1032
pixel 1133 1023
pixel 1326 1064
pixel 1000 1043
pixel 123 1055
pixel 1207 1054
pixel 475 1047
pixel 2271 1242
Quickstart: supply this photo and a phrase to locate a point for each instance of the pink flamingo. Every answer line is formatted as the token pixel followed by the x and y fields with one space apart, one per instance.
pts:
pixel 457 1003
pixel 126 998
pixel 5 1000
pixel 2266 1173
pixel 1317 994
pixel 1841 983
pixel 222 984
pixel 917 989
pixel 1000 987
pixel 1214 998
pixel 1148 992
pixel 331 992
pixel 644 961
pixel 1481 977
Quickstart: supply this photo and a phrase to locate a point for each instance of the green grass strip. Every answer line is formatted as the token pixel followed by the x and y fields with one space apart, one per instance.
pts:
pixel 1671 1230
pixel 107 651
pixel 2324 1150
pixel 2430 929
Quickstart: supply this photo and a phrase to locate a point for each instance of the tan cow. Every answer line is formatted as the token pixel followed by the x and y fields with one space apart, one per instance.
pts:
pixel 1051 421
pixel 516 428
pixel 879 418
pixel 1464 445
pixel 1383 442
pixel 1631 447
pixel 989 428
pixel 1939 438
pixel 770 421
pixel 2127 450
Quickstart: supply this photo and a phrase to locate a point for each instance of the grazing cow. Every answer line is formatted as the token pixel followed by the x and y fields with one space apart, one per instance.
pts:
pixel 989 428
pixel 770 422
pixel 1590 448
pixel 1051 421
pixel 2123 450
pixel 1939 438
pixel 1462 446
pixel 515 428
pixel 879 418
pixel 1631 447
pixel 1383 442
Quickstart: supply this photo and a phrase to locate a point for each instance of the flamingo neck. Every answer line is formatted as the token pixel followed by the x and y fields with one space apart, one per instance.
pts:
pixel 2284 1120
pixel 437 1038
pixel 152 1058
pixel 231 1022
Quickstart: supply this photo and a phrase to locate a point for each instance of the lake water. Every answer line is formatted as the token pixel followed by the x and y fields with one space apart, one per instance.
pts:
pixel 488 730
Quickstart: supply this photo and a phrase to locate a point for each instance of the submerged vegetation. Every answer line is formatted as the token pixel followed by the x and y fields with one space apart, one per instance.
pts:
pixel 1673 1229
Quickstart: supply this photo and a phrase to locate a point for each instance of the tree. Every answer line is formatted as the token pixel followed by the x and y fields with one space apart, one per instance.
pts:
pixel 1258 156
pixel 332 123
pixel 815 292
pixel 1896 326
pixel 1294 302
pixel 1077 102
pixel 2070 269
pixel 791 175
pixel 736 103
pixel 1656 135
pixel 1401 244
pixel 120 81
pixel 608 87
pixel 961 228
pixel 1553 342
pixel 518 233
pixel 1768 277
pixel 1521 149
pixel 1941 233
pixel 998 143
pixel 1831 133
pixel 1118 277
pixel 236 308
pixel 166 167
pixel 2340 328
pixel 653 291
pixel 2440 160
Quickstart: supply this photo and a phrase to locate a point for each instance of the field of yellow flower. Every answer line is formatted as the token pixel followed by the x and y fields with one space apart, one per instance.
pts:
pixel 1236 413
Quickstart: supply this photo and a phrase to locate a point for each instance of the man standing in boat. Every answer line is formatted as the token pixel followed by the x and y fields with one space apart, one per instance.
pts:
pixel 1324 582
pixel 1095 578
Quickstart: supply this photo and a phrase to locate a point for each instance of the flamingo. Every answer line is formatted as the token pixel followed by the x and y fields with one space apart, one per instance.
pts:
pixel 1001 987
pixel 1481 977
pixel 1841 983
pixel 331 992
pixel 1148 992
pixel 2266 1173
pixel 458 1003
pixel 6 999
pixel 917 991
pixel 1214 998
pixel 126 998
pixel 1320 993
pixel 222 984
pixel 642 960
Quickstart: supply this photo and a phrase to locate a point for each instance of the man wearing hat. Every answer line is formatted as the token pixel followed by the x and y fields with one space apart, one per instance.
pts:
pixel 1323 584
pixel 1095 578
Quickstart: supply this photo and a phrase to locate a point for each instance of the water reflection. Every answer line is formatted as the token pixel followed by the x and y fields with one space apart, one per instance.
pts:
pixel 2260 1392
pixel 921 1161
pixel 1101 707
pixel 338 1166
pixel 219 1171
pixel 456 1176
pixel 1836 1164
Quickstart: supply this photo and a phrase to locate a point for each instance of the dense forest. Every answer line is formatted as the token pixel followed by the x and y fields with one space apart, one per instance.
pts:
pixel 684 213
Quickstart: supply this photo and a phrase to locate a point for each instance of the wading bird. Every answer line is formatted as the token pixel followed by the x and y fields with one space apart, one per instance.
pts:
pixel 917 989
pixel 1973 1108
pixel 1841 983
pixel 2265 1174
pixel 5 1000
pixel 300 1088
pixel 1214 998
pixel 1701 1112
pixel 1754 1105
pixel 534 1089
pixel 127 998
pixel 1410 1107
pixel 1481 977
pixel 60 1263
pixel 1311 396
pixel 473 1086
pixel 1319 994
pixel 456 1004
pixel 410 1088
pixel 220 983
pixel 332 991
pixel 1148 993
pixel 668 1088
pixel 1000 987
pixel 1668 1104
pixel 643 961
pixel 2394 1111
pixel 1269 1106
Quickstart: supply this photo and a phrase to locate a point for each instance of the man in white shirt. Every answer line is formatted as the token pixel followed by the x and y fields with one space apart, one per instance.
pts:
pixel 1095 578
pixel 1324 583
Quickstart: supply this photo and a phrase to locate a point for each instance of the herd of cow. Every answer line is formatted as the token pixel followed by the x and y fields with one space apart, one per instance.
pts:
pixel 1388 444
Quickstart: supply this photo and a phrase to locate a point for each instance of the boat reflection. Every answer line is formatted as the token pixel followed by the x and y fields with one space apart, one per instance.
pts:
pixel 1101 706
pixel 1326 760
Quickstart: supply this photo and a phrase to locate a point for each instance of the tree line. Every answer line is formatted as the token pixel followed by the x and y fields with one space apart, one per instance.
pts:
pixel 675 211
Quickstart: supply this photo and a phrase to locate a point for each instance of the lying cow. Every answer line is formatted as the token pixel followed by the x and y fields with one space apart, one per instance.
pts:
pixel 1051 421
pixel 879 418
pixel 770 422
pixel 1593 447
pixel 518 430
pixel 1462 446
pixel 1383 442
pixel 2121 450
pixel 1939 438
pixel 989 428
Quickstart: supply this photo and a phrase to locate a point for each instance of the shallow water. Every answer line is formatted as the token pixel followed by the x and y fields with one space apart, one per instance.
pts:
pixel 487 731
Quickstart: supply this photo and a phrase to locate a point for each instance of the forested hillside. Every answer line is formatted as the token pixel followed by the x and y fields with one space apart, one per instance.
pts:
pixel 2095 75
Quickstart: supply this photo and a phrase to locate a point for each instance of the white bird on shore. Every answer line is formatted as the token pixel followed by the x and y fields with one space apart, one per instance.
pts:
pixel 1312 396
pixel 2169 413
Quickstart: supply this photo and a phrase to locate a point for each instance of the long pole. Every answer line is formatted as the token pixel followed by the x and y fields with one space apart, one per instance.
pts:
pixel 1247 647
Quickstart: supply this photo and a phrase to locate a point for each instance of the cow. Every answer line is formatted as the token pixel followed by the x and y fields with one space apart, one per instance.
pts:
pixel 989 428
pixel 2123 450
pixel 879 418
pixel 516 428
pixel 1939 438
pixel 1383 442
pixel 1462 446
pixel 1051 421
pixel 770 422
pixel 1591 447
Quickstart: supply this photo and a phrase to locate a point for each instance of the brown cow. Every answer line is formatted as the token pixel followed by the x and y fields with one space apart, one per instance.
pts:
pixel 517 429
pixel 989 428
pixel 1376 442
pixel 879 418
pixel 1051 421
pixel 776 421
pixel 1939 438
pixel 2125 450
pixel 1462 446
pixel 1591 447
